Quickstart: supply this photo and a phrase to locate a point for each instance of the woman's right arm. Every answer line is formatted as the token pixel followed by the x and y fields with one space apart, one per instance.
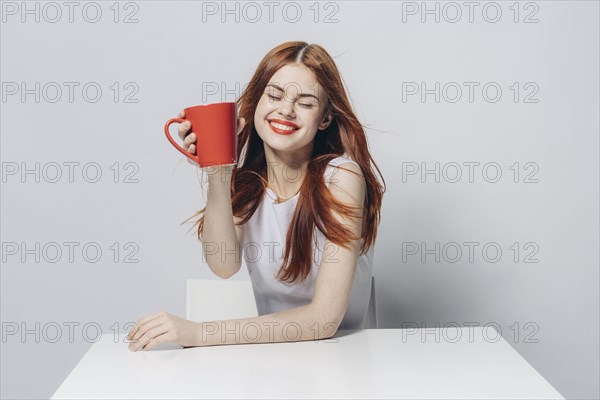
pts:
pixel 221 238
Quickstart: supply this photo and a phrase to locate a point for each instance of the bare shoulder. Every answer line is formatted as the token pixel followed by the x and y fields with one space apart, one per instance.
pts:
pixel 348 165
pixel 348 183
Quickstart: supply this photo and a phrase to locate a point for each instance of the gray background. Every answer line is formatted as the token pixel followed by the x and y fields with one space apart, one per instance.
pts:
pixel 170 52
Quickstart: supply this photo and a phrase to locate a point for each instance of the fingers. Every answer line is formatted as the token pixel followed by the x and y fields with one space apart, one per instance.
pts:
pixel 146 333
pixel 183 129
pixel 190 140
pixel 164 338
pixel 149 336
pixel 139 326
pixel 181 114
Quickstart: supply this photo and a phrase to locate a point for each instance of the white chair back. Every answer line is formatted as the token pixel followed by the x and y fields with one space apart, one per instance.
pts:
pixel 371 318
pixel 212 300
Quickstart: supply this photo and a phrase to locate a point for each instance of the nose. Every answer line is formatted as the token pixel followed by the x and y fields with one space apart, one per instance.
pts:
pixel 286 108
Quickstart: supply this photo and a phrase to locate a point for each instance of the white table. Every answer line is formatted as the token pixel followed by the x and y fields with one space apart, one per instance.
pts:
pixel 374 363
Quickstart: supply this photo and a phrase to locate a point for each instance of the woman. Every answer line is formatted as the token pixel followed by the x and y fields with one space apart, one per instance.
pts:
pixel 302 206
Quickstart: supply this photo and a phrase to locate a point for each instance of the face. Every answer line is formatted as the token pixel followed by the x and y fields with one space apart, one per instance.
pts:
pixel 291 110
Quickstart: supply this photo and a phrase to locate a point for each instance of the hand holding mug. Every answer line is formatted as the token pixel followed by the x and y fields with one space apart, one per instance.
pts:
pixel 209 134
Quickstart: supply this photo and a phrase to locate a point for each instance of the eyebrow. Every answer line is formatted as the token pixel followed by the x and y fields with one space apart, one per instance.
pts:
pixel 274 85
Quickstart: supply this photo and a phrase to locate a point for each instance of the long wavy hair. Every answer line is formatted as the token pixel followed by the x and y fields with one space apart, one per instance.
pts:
pixel 316 204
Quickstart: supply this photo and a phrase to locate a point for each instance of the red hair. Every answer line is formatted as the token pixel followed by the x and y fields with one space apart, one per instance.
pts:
pixel 345 134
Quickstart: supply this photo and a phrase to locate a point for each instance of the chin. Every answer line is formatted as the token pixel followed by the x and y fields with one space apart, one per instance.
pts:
pixel 283 147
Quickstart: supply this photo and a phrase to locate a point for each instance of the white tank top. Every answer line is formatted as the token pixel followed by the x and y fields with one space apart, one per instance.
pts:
pixel 263 241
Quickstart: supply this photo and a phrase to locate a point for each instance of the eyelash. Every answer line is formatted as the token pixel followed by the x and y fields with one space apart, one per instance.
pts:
pixel 279 98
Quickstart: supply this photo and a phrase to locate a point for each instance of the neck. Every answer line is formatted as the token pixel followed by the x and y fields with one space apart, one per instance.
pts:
pixel 286 170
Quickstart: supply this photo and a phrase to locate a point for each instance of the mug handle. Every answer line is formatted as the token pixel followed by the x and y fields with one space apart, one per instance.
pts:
pixel 174 143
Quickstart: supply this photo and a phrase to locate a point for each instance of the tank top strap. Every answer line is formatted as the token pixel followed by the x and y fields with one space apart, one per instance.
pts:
pixel 331 167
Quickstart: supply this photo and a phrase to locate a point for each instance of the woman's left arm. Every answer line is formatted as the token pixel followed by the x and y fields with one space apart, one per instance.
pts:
pixel 317 320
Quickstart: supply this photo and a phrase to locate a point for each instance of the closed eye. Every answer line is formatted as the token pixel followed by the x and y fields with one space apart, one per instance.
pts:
pixel 305 105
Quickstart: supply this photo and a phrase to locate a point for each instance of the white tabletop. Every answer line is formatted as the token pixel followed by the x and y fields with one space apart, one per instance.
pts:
pixel 373 363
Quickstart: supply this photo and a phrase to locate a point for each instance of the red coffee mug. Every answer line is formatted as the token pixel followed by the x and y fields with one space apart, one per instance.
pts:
pixel 215 126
